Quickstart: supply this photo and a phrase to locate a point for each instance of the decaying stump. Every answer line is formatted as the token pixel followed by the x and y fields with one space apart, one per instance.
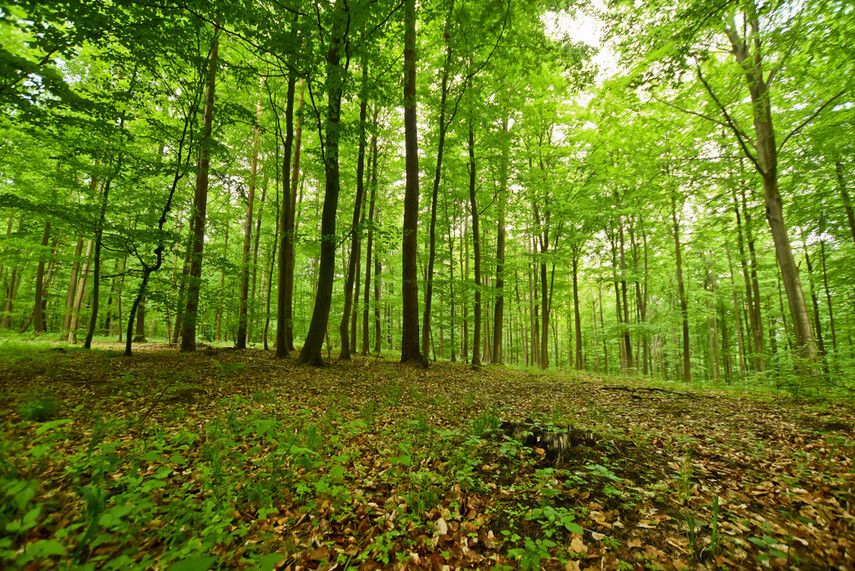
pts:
pixel 557 442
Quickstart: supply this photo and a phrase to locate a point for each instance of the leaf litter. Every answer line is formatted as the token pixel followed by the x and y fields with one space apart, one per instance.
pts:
pixel 235 459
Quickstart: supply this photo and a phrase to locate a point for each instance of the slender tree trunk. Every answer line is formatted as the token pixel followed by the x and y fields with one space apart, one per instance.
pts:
pixel 200 204
pixel 272 266
pixel 828 297
pixel 241 340
pixel 739 334
pixel 38 309
pixel 285 299
pixel 253 321
pixel 72 287
pixel 369 248
pixel 378 287
pixel 476 246
pixel 80 293
pixel 681 292
pixel 757 317
pixel 626 337
pixel 749 292
pixel 356 241
pixel 443 125
pixel 499 308
pixel 844 192
pixel 451 224
pixel 311 352
pixel 815 302
pixel 603 328
pixel 577 313
pixel 410 349
pixel 292 222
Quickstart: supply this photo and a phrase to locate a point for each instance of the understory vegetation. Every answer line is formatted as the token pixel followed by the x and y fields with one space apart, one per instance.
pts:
pixel 235 459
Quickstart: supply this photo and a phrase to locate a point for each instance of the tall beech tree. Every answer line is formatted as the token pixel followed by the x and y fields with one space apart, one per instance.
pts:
pixel 200 204
pixel 410 348
pixel 337 60
pixel 763 41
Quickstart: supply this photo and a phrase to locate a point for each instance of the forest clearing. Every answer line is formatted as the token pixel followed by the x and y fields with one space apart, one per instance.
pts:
pixel 228 458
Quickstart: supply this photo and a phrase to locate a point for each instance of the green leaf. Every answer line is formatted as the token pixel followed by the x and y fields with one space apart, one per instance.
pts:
pixel 269 562
pixel 198 563
pixel 51 424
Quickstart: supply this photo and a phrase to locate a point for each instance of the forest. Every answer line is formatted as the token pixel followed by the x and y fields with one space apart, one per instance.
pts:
pixel 357 284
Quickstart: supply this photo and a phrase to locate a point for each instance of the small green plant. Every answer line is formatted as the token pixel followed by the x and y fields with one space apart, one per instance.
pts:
pixel 226 369
pixel 534 551
pixel 39 408
pixel 770 546
pixel 553 519
pixel 487 421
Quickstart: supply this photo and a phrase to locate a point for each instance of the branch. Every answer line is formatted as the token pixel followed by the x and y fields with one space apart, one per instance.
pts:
pixel 810 118
pixel 690 112
pixel 741 137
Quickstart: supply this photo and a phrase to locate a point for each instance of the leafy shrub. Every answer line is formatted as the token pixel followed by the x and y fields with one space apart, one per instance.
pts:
pixel 39 408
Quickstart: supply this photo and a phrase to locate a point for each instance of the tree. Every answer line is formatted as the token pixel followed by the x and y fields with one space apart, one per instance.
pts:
pixel 200 203
pixel 763 41
pixel 410 350
pixel 335 82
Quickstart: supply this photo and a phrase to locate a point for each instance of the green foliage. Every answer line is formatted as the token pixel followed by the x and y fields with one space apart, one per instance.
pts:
pixel 39 407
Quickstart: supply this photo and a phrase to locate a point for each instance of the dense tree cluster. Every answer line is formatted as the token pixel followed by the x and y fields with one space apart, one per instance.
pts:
pixel 448 179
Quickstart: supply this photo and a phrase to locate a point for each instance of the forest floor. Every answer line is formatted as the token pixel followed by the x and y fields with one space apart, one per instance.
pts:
pixel 234 459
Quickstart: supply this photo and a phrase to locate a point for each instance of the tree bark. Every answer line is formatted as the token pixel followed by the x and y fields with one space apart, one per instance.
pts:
pixel 476 247
pixel 284 309
pixel 200 204
pixel 311 352
pixel 410 349
pixel 499 308
pixel 369 248
pixel 443 126
pixel 577 313
pixel 844 192
pixel 355 241
pixel 757 329
pixel 681 292
pixel 766 163
pixel 240 342
pixel 38 309
pixel 828 297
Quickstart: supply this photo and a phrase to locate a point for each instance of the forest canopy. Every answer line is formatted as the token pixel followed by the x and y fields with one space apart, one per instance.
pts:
pixel 441 180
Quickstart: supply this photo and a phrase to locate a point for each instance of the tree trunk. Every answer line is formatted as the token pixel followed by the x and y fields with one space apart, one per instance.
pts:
pixel 626 337
pixel 767 165
pixel 356 242
pixel 287 218
pixel 200 204
pixel 681 292
pixel 757 329
pixel 240 342
pixel 252 320
pixel 79 293
pixel 476 246
pixel 410 350
pixel 443 125
pixel 577 313
pixel 828 297
pixel 38 309
pixel 369 248
pixel 311 352
pixel 499 308
pixel 847 203
pixel 815 302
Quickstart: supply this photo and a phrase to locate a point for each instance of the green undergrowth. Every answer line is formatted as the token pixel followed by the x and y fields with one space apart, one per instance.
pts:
pixel 243 461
